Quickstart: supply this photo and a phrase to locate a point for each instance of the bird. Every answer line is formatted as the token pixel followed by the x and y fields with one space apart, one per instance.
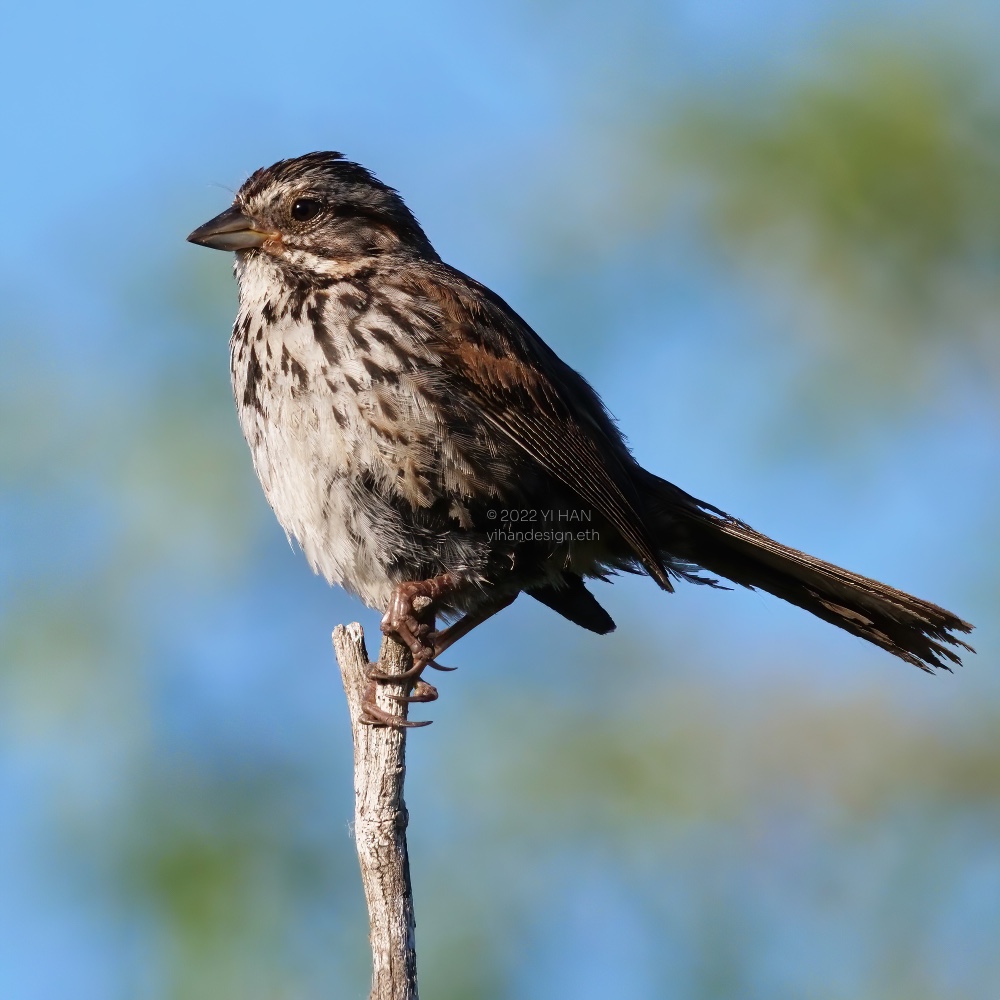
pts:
pixel 432 455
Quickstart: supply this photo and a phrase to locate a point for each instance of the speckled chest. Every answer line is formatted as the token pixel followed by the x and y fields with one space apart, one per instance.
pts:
pixel 334 399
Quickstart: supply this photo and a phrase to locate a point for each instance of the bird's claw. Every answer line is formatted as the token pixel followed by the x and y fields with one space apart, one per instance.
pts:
pixel 410 618
pixel 372 715
pixel 375 674
pixel 414 672
pixel 438 666
pixel 413 634
pixel 422 691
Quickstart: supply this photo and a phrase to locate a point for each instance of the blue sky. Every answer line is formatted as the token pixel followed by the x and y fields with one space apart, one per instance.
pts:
pixel 124 127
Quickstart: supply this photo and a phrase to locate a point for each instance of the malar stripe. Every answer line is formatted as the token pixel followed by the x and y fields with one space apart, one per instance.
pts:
pixel 314 313
pixel 255 373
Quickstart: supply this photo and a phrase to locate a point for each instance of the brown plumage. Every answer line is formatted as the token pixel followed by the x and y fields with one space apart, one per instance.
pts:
pixel 399 413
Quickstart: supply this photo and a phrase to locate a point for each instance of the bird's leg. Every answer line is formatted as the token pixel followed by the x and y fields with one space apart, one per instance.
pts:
pixel 422 691
pixel 443 639
pixel 410 616
pixel 440 641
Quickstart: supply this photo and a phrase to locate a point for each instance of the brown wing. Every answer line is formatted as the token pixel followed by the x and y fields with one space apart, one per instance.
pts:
pixel 517 384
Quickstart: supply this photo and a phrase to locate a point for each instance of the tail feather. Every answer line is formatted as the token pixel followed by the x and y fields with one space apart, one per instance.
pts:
pixel 572 600
pixel 704 537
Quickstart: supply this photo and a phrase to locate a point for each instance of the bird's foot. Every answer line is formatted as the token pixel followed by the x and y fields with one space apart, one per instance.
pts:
pixel 422 691
pixel 412 674
pixel 372 715
pixel 410 616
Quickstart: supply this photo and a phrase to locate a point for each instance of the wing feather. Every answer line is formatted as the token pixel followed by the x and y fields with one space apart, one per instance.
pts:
pixel 518 385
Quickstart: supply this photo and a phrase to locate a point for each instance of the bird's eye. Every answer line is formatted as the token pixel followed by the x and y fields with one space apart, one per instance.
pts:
pixel 304 209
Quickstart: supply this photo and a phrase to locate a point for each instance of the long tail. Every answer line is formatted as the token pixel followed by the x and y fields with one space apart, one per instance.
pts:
pixel 696 535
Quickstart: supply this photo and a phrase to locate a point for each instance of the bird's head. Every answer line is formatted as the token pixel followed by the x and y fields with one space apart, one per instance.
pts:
pixel 315 213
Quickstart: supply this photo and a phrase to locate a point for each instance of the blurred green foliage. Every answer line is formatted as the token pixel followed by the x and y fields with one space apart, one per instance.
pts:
pixel 863 191
pixel 775 842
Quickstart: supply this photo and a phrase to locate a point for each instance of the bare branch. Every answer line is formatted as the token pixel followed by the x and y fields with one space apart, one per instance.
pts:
pixel 380 815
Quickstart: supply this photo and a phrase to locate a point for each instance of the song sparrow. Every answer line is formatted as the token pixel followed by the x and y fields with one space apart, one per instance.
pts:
pixel 401 415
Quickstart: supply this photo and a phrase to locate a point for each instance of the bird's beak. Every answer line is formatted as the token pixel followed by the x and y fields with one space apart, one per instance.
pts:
pixel 231 230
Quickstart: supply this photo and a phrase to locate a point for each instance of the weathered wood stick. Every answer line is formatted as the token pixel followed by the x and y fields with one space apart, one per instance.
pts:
pixel 380 815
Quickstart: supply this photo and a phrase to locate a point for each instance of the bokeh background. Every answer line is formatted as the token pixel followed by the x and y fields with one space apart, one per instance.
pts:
pixel 769 232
